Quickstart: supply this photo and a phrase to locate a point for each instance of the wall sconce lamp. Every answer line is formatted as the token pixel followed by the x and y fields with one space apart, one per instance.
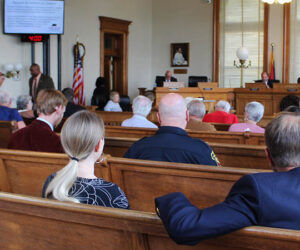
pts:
pixel 13 71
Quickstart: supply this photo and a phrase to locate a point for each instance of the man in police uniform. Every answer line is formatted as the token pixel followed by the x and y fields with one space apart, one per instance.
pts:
pixel 171 142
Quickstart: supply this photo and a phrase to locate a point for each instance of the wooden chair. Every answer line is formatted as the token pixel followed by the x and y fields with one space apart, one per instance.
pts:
pixel 6 130
pixel 35 223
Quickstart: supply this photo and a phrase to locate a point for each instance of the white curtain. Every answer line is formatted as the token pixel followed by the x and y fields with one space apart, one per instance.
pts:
pixel 241 24
pixel 295 42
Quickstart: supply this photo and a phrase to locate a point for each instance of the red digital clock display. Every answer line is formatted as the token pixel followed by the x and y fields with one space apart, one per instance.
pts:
pixel 34 38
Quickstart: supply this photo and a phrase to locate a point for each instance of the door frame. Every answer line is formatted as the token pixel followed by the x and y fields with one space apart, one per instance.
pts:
pixel 120 27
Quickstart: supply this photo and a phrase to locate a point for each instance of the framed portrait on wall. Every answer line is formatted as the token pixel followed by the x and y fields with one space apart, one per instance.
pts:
pixel 180 54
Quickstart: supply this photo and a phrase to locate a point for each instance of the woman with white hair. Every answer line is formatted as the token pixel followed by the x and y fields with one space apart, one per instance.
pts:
pixel 24 106
pixel 254 111
pixel 82 138
pixel 7 113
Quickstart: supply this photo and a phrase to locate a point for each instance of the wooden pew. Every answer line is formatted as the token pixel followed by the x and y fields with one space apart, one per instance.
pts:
pixel 6 130
pixel 230 155
pixel 35 223
pixel 24 172
pixel 208 136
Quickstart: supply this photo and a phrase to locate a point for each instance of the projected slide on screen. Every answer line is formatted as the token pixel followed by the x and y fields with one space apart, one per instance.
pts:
pixel 33 17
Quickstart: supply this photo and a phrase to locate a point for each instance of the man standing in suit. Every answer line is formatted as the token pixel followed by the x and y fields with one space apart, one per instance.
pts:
pixel 265 79
pixel 38 81
pixel 262 199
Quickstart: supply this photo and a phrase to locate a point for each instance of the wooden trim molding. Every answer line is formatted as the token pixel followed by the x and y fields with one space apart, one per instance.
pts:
pixel 286 43
pixel 216 40
pixel 121 27
pixel 266 37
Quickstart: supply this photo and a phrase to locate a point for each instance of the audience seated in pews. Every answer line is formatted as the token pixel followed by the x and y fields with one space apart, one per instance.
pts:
pixel 263 199
pixel 289 100
pixel 221 114
pixel 197 111
pixel 7 113
pixel 113 104
pixel 254 111
pixel 71 108
pixel 24 106
pixel 171 142
pixel 141 107
pixel 82 137
pixel 39 135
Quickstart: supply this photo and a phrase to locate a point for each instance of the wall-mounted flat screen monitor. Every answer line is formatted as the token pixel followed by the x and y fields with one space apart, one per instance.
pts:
pixel 33 17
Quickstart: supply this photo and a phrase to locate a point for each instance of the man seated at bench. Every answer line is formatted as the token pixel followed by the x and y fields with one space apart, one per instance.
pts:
pixel 82 137
pixel 39 135
pixel 254 111
pixel 141 107
pixel 171 142
pixel 7 113
pixel 221 114
pixel 262 199
pixel 197 111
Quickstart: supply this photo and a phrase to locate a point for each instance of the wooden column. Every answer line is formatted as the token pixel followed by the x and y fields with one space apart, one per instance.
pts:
pixel 266 36
pixel 286 43
pixel 216 40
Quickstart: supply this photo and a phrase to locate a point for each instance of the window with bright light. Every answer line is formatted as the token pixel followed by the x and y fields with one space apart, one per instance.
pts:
pixel 241 24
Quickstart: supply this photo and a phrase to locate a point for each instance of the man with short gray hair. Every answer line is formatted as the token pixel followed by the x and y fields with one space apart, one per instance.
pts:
pixel 171 142
pixel 262 199
pixel 221 114
pixel 141 107
pixel 197 111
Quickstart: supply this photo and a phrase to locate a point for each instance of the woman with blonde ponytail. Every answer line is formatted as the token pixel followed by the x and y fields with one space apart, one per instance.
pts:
pixel 82 138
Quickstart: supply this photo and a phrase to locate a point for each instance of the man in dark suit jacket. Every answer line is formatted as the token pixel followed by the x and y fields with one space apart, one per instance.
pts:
pixel 265 79
pixel 38 81
pixel 262 199
pixel 168 78
pixel 40 135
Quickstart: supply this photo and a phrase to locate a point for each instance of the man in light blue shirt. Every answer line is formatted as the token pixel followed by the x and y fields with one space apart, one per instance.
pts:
pixel 141 108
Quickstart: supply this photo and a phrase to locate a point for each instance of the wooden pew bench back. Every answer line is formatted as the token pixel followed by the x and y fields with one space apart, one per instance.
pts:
pixel 34 223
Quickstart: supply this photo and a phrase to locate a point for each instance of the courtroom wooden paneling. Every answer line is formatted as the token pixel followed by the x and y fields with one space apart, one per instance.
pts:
pixel 34 223
pixel 214 94
pixel 230 155
pixel 218 136
pixel 244 96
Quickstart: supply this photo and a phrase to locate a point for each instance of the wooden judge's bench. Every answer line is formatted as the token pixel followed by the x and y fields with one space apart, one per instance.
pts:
pixel 238 97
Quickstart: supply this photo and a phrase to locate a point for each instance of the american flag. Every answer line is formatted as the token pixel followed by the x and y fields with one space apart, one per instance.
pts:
pixel 78 86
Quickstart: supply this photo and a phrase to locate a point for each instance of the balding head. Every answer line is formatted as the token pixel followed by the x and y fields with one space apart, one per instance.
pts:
pixel 283 141
pixel 172 111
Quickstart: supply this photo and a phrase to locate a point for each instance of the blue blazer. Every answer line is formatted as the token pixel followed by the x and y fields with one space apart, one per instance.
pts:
pixel 264 199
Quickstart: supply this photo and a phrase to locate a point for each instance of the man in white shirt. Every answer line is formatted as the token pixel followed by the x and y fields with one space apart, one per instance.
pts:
pixel 178 58
pixel 265 79
pixel 141 108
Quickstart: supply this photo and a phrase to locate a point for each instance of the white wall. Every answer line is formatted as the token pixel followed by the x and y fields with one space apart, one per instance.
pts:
pixel 81 18
pixel 177 21
pixel 155 24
